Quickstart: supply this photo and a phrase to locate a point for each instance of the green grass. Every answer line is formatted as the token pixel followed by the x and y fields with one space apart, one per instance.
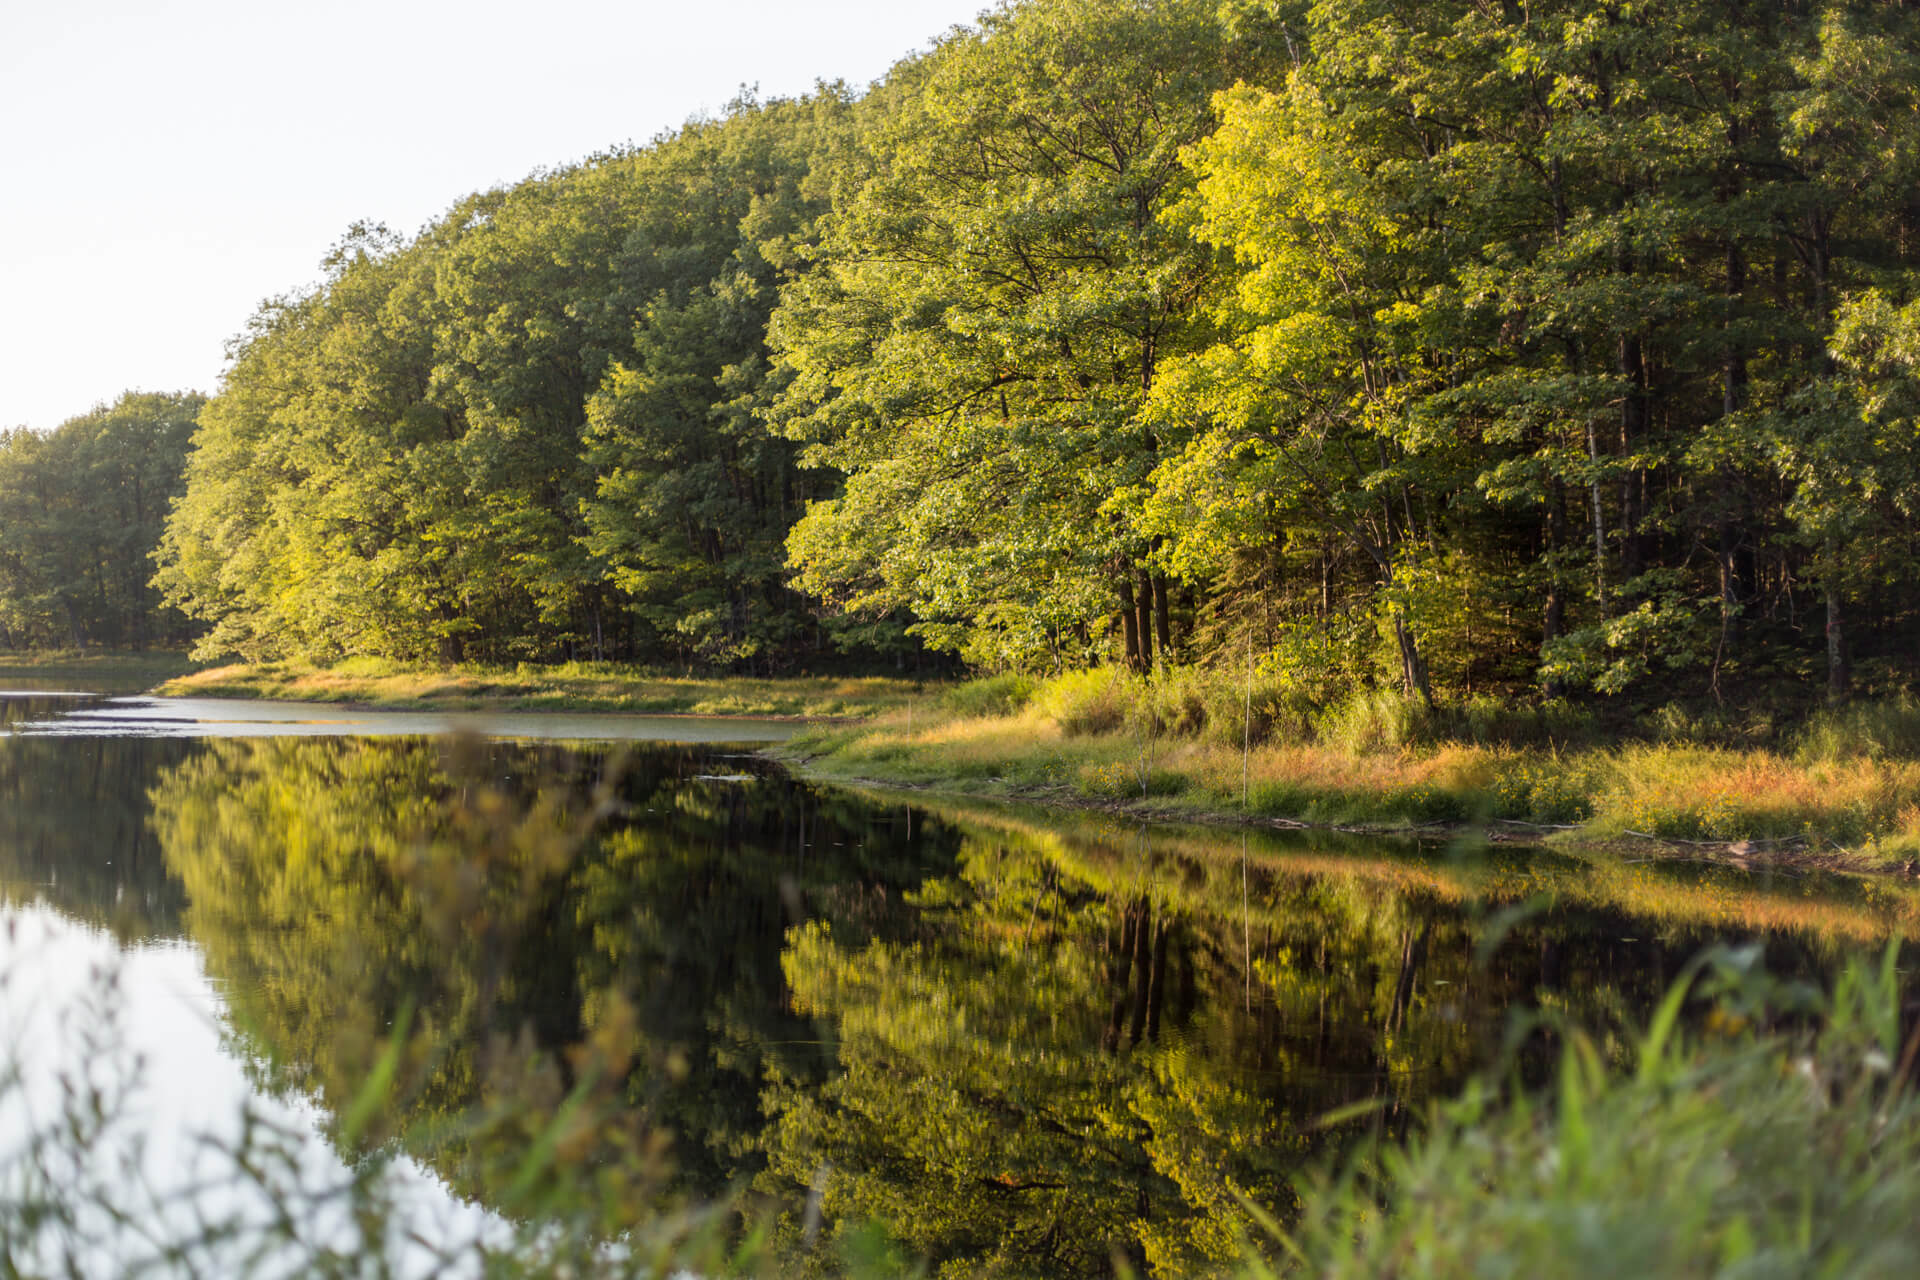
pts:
pixel 1848 794
pixel 1738 1151
pixel 574 686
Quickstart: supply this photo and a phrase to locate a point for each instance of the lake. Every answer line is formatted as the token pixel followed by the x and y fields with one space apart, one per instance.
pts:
pixel 624 963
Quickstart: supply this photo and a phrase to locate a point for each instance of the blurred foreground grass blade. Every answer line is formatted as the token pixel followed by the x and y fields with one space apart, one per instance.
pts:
pixel 379 1084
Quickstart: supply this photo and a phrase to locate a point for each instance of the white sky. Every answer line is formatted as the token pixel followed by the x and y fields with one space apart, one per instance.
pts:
pixel 167 164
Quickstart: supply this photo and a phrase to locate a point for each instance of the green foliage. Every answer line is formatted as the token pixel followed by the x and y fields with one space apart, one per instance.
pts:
pixel 1095 701
pixel 1000 695
pixel 564 1058
pixel 81 509
pixel 1504 326
pixel 1743 1150
pixel 1532 352
pixel 528 432
pixel 997 294
pixel 1552 789
pixel 1875 730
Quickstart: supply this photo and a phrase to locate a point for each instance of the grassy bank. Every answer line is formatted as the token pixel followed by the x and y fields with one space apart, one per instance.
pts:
pixel 1841 789
pixel 96 671
pixel 573 686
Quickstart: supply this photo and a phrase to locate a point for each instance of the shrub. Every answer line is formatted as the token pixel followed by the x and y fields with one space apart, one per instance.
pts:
pixel 1491 721
pixel 1376 720
pixel 1873 730
pixel 1082 703
pixel 1274 713
pixel 1178 700
pixel 1544 788
pixel 1001 695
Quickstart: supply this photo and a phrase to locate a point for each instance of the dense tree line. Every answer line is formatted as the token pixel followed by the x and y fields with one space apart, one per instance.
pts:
pixel 529 432
pixel 81 511
pixel 1460 347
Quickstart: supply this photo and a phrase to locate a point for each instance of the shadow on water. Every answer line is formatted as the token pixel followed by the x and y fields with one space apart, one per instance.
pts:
pixel 1021 1042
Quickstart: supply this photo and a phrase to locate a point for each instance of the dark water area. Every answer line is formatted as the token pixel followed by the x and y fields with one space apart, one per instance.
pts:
pixel 1021 1041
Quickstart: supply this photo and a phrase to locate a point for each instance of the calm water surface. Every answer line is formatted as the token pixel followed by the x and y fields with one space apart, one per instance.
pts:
pixel 74 715
pixel 1021 1041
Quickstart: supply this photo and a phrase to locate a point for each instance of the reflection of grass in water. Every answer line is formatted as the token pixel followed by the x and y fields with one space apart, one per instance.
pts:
pixel 572 686
pixel 1837 911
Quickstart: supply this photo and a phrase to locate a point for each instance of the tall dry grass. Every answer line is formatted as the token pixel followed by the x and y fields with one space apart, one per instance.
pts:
pixel 1186 739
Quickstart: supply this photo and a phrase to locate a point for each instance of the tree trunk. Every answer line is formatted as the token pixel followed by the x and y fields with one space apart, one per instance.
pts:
pixel 1130 623
pixel 1143 603
pixel 1633 429
pixel 1413 668
pixel 1120 976
pixel 1733 398
pixel 1839 669
pixel 1599 522
pixel 1553 621
pixel 1163 629
pixel 1413 953
pixel 1157 982
pixel 452 650
pixel 1142 973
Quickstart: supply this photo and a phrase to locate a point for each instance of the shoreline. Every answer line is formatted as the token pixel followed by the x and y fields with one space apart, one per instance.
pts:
pixel 572 688
pixel 1745 809
pixel 1724 806
pixel 1743 855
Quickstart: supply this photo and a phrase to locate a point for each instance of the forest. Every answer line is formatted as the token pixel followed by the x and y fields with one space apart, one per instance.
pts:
pixel 81 510
pixel 1457 348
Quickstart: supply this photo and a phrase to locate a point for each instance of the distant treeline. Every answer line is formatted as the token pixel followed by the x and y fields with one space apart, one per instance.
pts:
pixel 1457 347
pixel 81 509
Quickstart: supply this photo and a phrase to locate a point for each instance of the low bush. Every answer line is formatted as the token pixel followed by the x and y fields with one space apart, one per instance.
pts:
pixel 1550 789
pixel 1001 695
pixel 1739 1150
pixel 1098 700
pixel 1870 730
pixel 1376 720
pixel 1490 721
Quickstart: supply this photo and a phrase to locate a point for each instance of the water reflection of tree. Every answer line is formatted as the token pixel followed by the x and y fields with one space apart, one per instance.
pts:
pixel 73 828
pixel 1094 1049
pixel 553 917
pixel 1025 1048
pixel 1022 1088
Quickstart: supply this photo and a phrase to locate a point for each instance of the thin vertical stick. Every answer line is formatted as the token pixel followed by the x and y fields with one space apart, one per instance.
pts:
pixel 1246 808
pixel 1246 734
pixel 1246 923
